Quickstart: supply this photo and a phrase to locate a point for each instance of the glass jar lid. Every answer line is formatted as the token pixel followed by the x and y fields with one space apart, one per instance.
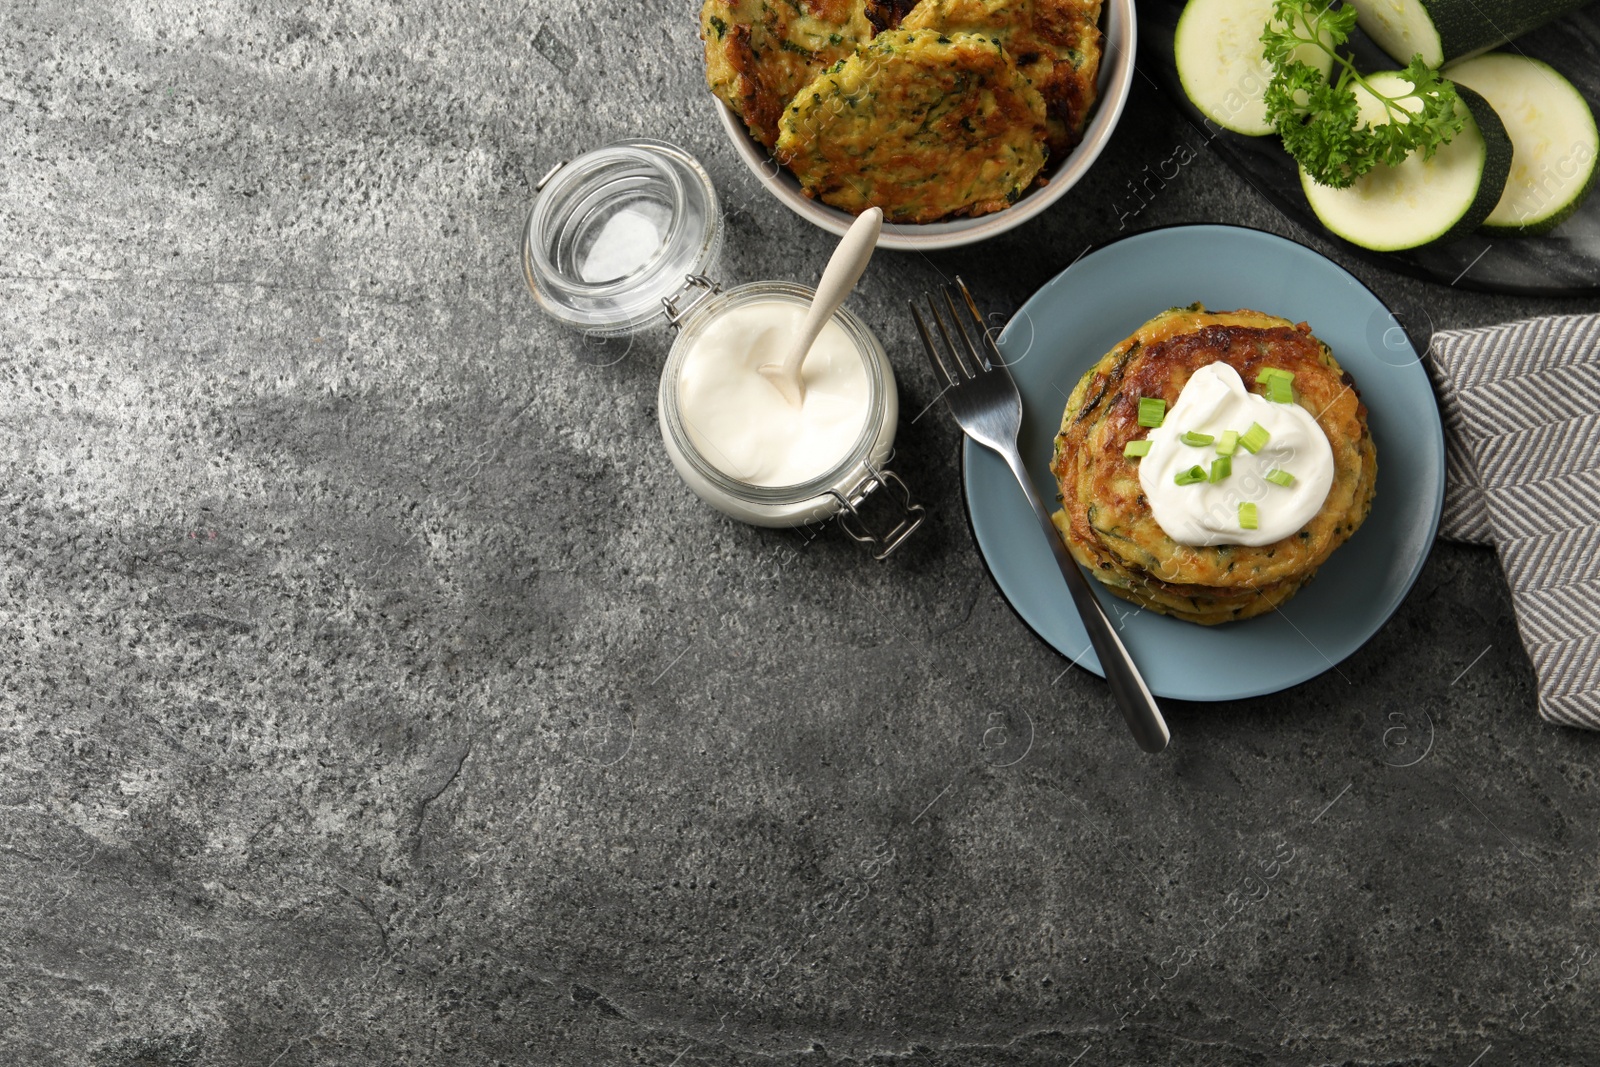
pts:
pixel 618 230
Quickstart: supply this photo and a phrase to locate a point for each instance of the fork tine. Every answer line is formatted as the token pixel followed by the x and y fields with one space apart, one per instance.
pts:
pixel 963 372
pixel 940 373
pixel 966 342
pixel 951 352
pixel 991 350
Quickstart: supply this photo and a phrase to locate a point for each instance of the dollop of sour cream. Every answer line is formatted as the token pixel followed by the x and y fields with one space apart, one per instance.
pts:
pixel 1213 401
pixel 739 421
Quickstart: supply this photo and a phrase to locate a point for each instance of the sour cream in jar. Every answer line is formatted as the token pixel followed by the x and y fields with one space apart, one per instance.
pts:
pixel 741 423
pixel 1213 402
pixel 740 445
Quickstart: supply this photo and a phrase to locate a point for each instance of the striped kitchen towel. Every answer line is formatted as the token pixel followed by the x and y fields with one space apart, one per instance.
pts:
pixel 1521 409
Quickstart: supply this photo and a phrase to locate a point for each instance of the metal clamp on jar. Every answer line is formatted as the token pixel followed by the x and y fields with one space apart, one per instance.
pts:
pixel 624 237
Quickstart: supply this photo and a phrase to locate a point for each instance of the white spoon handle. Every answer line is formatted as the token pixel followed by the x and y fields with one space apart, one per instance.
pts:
pixel 844 269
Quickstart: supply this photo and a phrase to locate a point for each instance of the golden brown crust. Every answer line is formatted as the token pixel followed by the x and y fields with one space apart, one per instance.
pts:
pixel 1110 527
pixel 759 53
pixel 1056 45
pixel 922 124
pixel 1192 603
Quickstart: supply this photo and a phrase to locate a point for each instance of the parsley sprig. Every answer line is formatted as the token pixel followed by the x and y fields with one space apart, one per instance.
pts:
pixel 1320 121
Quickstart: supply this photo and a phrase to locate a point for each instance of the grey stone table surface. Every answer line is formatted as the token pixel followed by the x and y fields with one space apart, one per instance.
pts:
pixel 372 692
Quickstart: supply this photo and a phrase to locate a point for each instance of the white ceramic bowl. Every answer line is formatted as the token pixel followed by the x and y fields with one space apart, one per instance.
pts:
pixel 1116 77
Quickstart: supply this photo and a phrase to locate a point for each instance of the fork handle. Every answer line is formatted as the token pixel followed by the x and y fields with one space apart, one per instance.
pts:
pixel 1138 706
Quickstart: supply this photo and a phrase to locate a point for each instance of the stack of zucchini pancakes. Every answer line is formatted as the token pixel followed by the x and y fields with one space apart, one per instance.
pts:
pixel 927 109
pixel 1108 524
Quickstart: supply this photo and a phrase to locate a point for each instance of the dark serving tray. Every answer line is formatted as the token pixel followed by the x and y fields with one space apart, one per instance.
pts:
pixel 1563 262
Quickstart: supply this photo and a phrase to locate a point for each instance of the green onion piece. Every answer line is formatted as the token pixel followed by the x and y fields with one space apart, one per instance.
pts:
pixel 1197 440
pixel 1277 477
pixel 1280 391
pixel 1193 476
pixel 1255 438
pixel 1137 448
pixel 1269 373
pixel 1228 442
pixel 1221 467
pixel 1247 516
pixel 1152 412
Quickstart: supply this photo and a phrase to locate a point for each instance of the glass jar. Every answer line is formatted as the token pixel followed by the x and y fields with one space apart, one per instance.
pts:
pixel 616 231
pixel 620 240
pixel 842 488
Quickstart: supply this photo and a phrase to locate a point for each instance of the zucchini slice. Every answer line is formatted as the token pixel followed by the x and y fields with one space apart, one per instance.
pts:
pixel 1444 30
pixel 1555 145
pixel 1220 62
pixel 1421 200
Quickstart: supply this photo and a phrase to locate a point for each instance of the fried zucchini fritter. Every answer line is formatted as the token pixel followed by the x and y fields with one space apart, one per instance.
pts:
pixel 922 124
pixel 1056 43
pixel 759 53
pixel 1109 526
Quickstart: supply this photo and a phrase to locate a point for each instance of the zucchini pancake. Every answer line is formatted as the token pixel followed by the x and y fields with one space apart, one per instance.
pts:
pixel 759 53
pixel 1056 44
pixel 919 123
pixel 1106 519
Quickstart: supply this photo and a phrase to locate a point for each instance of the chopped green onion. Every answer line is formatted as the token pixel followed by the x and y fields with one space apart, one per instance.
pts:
pixel 1221 467
pixel 1137 448
pixel 1152 411
pixel 1279 383
pixel 1255 438
pixel 1228 442
pixel 1193 476
pixel 1247 516
pixel 1196 440
pixel 1277 477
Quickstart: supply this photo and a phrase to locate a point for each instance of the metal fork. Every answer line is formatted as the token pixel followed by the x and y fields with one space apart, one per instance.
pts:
pixel 984 399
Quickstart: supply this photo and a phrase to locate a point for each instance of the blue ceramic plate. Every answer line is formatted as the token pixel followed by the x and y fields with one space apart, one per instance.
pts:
pixel 1080 315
